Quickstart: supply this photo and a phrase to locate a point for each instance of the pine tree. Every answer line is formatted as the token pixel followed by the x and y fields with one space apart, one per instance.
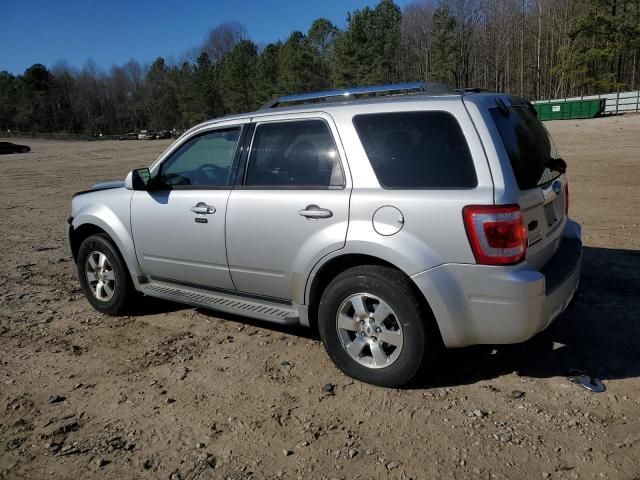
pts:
pixel 298 66
pixel 8 99
pixel 267 80
pixel 444 46
pixel 604 33
pixel 366 53
pixel 321 37
pixel 237 77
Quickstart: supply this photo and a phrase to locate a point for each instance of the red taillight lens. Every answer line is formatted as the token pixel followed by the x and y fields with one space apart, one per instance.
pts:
pixel 566 198
pixel 496 233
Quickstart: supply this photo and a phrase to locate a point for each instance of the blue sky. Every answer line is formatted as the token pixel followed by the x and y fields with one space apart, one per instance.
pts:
pixel 112 32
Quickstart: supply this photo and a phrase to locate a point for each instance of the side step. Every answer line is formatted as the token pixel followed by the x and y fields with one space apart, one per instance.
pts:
pixel 223 302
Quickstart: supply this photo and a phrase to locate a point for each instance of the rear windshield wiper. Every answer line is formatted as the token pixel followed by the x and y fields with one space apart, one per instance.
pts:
pixel 556 164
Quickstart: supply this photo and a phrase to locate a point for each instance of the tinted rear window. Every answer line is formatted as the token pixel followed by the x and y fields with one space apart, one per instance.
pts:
pixel 416 150
pixel 528 145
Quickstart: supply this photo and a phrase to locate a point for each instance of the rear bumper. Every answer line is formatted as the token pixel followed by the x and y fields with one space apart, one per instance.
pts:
pixel 478 304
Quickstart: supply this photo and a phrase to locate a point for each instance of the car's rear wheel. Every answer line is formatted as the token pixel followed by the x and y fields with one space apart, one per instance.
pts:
pixel 103 275
pixel 375 328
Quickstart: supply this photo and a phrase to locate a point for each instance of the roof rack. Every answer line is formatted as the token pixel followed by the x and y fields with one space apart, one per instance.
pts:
pixel 349 93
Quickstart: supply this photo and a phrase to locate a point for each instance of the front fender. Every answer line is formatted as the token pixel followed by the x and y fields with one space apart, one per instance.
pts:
pixel 114 218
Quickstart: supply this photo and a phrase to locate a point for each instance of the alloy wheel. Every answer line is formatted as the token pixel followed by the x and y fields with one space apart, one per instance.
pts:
pixel 100 276
pixel 369 330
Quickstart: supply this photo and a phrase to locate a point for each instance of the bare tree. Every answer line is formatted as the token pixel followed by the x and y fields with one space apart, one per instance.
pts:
pixel 415 37
pixel 221 40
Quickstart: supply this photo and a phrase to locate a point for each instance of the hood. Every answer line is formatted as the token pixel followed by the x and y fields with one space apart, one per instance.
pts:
pixel 108 185
pixel 103 186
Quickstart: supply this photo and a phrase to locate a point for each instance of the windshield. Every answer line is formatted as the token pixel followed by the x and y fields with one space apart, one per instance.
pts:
pixel 528 144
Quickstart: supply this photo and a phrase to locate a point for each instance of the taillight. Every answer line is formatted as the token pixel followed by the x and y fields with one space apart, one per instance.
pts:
pixel 496 233
pixel 566 198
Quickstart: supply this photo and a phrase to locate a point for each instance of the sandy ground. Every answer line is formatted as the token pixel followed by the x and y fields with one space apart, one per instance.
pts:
pixel 180 393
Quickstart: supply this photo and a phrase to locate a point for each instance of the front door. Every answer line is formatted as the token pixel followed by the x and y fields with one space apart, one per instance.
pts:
pixel 179 225
pixel 291 209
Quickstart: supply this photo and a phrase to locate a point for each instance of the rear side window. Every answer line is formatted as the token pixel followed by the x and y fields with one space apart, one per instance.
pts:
pixel 527 143
pixel 295 154
pixel 413 150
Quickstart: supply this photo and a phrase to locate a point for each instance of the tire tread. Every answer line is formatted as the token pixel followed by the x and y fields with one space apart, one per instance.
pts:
pixel 123 298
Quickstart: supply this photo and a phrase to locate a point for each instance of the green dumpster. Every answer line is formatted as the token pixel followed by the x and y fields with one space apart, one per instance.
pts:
pixel 570 109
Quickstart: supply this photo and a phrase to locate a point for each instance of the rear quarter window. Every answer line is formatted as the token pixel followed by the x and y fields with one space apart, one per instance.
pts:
pixel 414 150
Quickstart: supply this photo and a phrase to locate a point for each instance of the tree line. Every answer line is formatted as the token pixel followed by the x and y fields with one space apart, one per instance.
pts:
pixel 535 48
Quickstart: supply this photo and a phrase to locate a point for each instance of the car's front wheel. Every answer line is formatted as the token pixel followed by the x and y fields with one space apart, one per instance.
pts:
pixel 374 326
pixel 103 275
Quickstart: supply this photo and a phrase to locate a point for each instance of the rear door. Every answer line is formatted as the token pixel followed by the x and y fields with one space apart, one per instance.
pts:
pixel 538 171
pixel 291 205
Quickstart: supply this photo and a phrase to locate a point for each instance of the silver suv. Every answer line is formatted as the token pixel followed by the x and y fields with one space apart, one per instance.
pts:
pixel 394 219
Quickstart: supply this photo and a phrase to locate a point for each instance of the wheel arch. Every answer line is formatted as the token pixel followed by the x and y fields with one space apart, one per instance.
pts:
pixel 86 225
pixel 78 235
pixel 338 264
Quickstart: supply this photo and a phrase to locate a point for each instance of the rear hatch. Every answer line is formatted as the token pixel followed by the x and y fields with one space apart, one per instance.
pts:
pixel 539 172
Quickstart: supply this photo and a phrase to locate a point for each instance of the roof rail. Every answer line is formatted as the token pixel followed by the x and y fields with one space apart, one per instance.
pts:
pixel 473 90
pixel 347 93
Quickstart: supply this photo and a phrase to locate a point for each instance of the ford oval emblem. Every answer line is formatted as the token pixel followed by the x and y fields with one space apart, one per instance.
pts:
pixel 557 187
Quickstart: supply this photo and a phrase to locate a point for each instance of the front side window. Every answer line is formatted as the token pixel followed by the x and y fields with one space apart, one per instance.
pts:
pixel 202 161
pixel 295 154
pixel 413 150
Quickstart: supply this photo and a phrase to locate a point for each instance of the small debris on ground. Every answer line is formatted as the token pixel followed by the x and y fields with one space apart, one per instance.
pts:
pixel 515 394
pixel 589 383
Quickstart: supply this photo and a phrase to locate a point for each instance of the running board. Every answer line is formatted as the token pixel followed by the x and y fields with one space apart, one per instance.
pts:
pixel 223 302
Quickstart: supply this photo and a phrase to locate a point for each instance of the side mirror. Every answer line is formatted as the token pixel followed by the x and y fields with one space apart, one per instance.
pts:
pixel 137 179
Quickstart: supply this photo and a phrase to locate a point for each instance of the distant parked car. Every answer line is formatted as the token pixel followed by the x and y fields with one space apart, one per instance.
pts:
pixel 129 136
pixel 150 136
pixel 142 134
pixel 163 134
pixel 8 147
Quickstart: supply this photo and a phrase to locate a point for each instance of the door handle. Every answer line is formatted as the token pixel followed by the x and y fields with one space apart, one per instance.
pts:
pixel 314 211
pixel 202 208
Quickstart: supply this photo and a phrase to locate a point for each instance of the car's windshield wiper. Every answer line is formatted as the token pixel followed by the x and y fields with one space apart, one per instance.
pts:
pixel 556 164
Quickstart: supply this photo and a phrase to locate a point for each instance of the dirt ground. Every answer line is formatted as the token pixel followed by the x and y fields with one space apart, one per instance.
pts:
pixel 180 393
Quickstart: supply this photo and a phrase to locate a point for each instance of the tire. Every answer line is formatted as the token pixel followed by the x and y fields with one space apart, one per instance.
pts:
pixel 118 291
pixel 410 327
